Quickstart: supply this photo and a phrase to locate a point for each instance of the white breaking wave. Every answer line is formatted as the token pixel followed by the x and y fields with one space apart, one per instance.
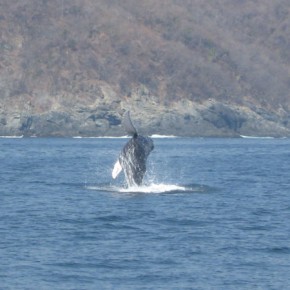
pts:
pixel 163 136
pixel 256 137
pixel 101 137
pixel 124 137
pixel 12 137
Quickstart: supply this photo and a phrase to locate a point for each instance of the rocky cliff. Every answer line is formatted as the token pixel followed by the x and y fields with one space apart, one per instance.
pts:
pixel 189 68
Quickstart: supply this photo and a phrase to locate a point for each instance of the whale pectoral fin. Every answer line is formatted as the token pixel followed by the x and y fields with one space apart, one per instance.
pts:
pixel 117 169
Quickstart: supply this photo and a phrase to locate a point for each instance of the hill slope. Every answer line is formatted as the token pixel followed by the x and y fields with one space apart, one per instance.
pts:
pixel 206 68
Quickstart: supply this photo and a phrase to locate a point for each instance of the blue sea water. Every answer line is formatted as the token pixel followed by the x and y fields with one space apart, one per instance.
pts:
pixel 213 214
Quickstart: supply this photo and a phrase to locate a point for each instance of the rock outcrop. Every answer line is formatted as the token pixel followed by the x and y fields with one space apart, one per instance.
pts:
pixel 181 118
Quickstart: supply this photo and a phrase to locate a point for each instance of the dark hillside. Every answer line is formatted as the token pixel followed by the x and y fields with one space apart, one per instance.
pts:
pixel 211 68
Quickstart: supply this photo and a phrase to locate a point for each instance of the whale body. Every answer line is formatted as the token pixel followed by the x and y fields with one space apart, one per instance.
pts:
pixel 133 156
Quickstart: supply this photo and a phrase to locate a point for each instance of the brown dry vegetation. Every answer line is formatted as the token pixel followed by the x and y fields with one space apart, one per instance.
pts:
pixel 56 53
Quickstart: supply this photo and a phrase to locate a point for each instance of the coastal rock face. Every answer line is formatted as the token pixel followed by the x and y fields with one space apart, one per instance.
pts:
pixel 183 118
pixel 209 118
pixel 72 68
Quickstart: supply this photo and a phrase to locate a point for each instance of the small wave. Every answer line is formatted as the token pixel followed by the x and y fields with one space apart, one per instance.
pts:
pixel 274 250
pixel 280 250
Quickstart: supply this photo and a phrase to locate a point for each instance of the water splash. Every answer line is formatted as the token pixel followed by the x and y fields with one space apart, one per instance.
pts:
pixel 153 188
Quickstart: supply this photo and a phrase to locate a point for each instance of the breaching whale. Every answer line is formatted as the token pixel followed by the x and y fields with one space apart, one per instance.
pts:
pixel 134 155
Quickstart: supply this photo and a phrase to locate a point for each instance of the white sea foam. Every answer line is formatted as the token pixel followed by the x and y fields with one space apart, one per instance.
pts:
pixel 162 136
pixel 101 137
pixel 124 137
pixel 153 188
pixel 12 137
pixel 256 137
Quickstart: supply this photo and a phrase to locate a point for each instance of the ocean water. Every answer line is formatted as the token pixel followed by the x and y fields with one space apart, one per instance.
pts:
pixel 212 214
